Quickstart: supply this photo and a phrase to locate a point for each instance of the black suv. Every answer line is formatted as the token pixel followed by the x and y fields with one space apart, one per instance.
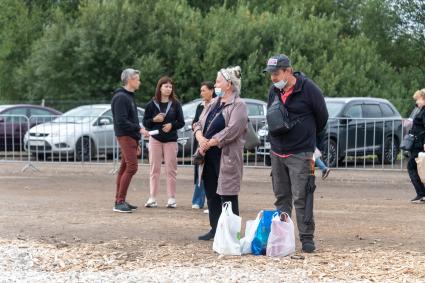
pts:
pixel 357 126
pixel 361 126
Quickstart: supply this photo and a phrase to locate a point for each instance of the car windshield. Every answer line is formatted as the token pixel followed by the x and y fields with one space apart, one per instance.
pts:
pixel 334 108
pixel 189 110
pixel 79 115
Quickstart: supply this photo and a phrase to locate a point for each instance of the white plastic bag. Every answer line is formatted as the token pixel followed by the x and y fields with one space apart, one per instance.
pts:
pixel 250 229
pixel 227 235
pixel 281 240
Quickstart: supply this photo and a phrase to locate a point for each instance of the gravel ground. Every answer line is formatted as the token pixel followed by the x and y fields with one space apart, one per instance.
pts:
pixel 57 226
pixel 27 261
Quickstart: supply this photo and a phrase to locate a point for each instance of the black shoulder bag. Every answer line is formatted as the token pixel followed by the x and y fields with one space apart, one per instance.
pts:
pixel 409 140
pixel 278 118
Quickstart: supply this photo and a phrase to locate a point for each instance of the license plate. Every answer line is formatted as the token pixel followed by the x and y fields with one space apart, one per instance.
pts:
pixel 267 145
pixel 36 143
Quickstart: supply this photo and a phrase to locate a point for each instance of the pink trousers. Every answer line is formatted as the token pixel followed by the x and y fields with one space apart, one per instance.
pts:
pixel 159 151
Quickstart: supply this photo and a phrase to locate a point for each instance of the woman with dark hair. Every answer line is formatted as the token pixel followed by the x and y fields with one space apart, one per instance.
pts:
pixel 207 94
pixel 164 114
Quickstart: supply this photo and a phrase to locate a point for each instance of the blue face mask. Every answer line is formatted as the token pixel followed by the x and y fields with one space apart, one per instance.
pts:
pixel 280 84
pixel 218 92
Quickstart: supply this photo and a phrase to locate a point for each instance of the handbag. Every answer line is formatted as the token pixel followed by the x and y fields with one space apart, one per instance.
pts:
pixel 278 118
pixel 251 139
pixel 198 158
pixel 281 240
pixel 259 243
pixel 227 235
pixel 407 143
pixel 250 229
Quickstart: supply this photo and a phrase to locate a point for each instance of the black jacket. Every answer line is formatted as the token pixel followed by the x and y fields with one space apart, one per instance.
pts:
pixel 124 112
pixel 418 129
pixel 307 104
pixel 174 116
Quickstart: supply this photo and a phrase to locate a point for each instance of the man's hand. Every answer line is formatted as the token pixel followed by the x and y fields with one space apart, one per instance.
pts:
pixel 167 127
pixel 159 118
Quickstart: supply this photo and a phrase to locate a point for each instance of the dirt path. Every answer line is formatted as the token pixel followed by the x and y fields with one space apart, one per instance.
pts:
pixel 353 208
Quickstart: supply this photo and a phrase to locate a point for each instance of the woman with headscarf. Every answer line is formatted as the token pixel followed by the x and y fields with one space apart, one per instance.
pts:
pixel 220 132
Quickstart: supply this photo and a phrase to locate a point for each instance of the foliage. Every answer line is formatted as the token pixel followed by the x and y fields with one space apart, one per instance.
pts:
pixel 73 51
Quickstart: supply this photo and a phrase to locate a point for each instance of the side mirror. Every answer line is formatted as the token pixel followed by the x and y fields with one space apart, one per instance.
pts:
pixel 345 119
pixel 103 121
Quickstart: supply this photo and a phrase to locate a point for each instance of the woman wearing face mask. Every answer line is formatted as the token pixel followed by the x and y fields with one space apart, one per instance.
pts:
pixel 418 130
pixel 164 114
pixel 220 132
pixel 207 94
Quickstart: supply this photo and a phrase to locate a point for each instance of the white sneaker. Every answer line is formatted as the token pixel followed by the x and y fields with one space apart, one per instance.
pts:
pixel 151 203
pixel 171 203
pixel 206 211
pixel 195 206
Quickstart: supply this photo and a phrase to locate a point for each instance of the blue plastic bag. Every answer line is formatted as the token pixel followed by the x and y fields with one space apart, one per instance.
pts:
pixel 259 243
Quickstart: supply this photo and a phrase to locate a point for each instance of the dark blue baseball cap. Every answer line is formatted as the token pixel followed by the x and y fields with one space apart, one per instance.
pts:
pixel 280 61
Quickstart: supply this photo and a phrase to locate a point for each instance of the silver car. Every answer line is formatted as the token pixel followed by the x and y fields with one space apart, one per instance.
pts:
pixel 83 132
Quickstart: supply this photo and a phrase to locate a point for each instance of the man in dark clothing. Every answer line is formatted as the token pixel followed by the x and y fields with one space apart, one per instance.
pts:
pixel 292 152
pixel 128 132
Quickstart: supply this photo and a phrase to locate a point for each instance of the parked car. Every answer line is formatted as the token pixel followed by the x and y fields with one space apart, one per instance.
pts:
pixel 84 132
pixel 361 126
pixel 357 126
pixel 256 112
pixel 15 119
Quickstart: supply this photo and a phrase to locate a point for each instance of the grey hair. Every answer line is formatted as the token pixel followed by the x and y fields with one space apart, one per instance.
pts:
pixel 232 74
pixel 127 74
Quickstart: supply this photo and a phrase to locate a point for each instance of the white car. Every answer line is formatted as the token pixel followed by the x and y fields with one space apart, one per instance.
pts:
pixel 83 132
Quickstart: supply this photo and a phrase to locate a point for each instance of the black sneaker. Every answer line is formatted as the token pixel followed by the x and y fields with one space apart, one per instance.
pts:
pixel 308 247
pixel 417 199
pixel 122 207
pixel 208 236
pixel 132 207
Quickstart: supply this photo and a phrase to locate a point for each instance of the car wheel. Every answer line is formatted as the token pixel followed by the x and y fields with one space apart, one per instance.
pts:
pixel 390 152
pixel 84 149
pixel 329 153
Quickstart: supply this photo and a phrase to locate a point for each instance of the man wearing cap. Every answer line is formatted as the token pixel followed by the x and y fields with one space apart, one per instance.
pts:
pixel 128 132
pixel 292 152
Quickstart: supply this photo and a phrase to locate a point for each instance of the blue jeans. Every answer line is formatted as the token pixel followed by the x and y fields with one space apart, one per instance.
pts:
pixel 319 163
pixel 199 195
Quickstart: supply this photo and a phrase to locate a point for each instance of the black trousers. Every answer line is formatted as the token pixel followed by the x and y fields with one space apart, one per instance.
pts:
pixel 412 169
pixel 210 175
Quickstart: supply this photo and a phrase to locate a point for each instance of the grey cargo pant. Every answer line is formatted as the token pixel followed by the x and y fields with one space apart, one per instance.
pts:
pixel 289 177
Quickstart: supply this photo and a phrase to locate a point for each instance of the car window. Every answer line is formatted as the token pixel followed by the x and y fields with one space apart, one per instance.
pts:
pixel 372 111
pixel 414 112
pixel 189 110
pixel 354 111
pixel 16 119
pixel 387 111
pixel 254 109
pixel 107 114
pixel 43 115
pixel 334 108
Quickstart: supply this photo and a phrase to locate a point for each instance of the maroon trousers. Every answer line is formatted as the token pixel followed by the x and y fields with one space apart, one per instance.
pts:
pixel 128 166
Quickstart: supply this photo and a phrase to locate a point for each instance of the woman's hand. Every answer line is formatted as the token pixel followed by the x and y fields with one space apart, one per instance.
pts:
pixel 167 127
pixel 159 118
pixel 424 147
pixel 144 132
pixel 212 142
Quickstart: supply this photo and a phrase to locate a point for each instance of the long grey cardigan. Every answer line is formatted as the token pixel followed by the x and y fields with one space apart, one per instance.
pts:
pixel 231 140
